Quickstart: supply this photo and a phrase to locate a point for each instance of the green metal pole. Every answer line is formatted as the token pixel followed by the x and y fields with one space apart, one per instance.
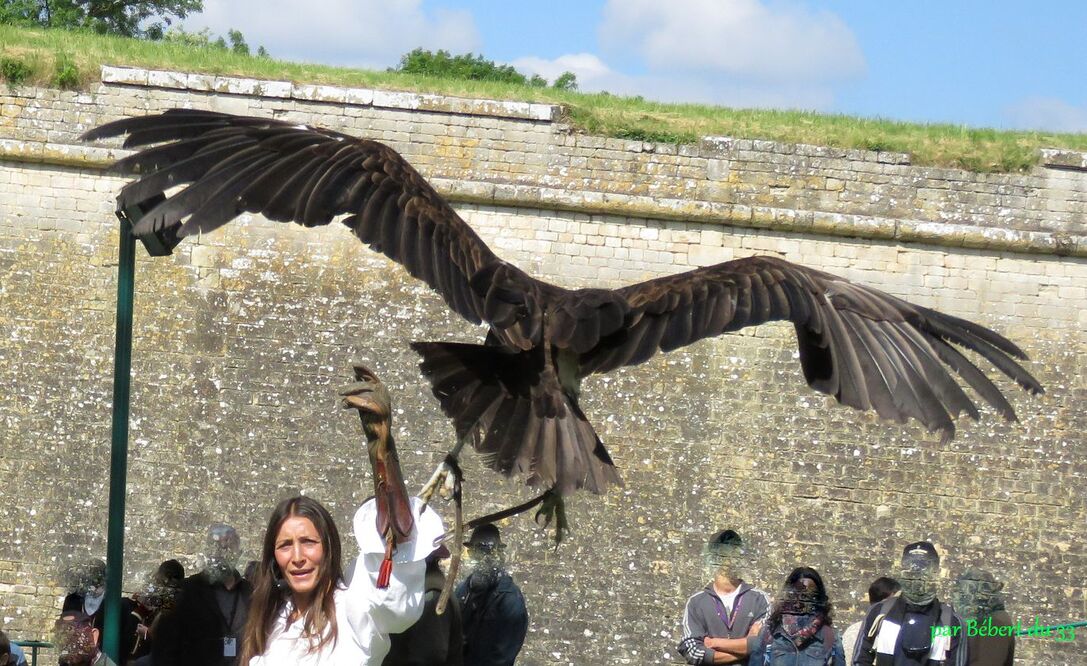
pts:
pixel 118 466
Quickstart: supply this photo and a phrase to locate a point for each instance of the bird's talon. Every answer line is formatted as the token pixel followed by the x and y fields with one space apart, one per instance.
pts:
pixel 544 513
pixel 554 510
pixel 444 481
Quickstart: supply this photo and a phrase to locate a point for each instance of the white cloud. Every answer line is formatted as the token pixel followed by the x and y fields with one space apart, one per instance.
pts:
pixel 741 53
pixel 369 33
pixel 744 39
pixel 595 75
pixel 1047 113
pixel 588 68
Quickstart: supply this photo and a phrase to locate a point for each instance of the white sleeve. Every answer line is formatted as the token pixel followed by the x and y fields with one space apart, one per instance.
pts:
pixel 397 607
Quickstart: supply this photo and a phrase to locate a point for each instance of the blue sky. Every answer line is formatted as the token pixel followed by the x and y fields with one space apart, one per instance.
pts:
pixel 993 64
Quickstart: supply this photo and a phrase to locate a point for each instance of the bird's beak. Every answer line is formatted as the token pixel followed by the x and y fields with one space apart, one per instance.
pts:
pixel 360 395
pixel 361 400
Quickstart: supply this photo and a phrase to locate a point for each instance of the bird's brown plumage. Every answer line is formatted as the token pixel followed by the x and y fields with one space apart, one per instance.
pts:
pixel 517 395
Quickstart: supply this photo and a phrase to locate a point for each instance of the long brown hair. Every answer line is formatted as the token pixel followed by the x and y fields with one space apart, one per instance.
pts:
pixel 270 590
pixel 822 605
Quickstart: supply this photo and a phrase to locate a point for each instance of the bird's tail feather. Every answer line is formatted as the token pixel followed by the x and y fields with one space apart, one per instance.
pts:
pixel 517 415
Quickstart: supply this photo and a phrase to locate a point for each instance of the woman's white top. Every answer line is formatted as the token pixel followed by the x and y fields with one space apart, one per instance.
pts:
pixel 365 615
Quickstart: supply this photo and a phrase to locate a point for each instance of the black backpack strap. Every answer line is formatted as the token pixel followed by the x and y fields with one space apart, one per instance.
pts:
pixel 945 614
pixel 884 609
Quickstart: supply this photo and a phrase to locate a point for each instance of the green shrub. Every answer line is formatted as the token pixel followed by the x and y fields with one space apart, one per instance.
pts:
pixel 196 39
pixel 237 42
pixel 13 70
pixel 565 81
pixel 467 66
pixel 65 73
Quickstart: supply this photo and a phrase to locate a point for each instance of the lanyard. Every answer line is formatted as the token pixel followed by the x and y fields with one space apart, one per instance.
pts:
pixel 237 593
pixel 719 606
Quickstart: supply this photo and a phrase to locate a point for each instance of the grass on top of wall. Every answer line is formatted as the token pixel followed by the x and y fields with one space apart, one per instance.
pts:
pixel 72 59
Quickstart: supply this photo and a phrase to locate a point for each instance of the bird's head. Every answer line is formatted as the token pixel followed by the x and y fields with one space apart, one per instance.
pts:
pixel 370 397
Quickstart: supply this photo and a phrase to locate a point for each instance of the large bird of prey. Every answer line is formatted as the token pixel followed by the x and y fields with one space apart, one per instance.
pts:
pixel 515 397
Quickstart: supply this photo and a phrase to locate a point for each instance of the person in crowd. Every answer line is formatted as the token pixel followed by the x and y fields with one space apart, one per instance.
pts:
pixel 5 650
pixel 78 641
pixel 979 598
pixel 15 656
pixel 880 589
pixel 250 573
pixel 435 640
pixel 493 610
pixel 722 621
pixel 205 624
pixel 152 603
pixel 86 583
pixel 18 657
pixel 799 630
pixel 304 615
pixel 914 628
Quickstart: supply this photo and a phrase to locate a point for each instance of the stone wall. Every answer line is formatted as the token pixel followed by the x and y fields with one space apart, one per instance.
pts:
pixel 242 336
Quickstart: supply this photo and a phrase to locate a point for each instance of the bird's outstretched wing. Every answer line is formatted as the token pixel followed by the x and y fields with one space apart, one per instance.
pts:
pixel 230 165
pixel 868 349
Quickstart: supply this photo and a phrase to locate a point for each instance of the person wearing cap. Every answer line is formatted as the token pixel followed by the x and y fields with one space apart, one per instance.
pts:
pixel 77 641
pixel 435 640
pixel 721 622
pixel 914 628
pixel 978 597
pixel 210 611
pixel 493 610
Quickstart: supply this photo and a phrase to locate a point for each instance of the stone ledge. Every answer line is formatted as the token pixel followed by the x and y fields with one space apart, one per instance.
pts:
pixel 385 99
pixel 60 154
pixel 706 212
pixel 1059 158
pixel 726 146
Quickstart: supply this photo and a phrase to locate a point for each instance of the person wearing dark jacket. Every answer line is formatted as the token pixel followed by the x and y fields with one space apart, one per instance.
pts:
pixel 979 599
pixel 435 640
pixel 205 625
pixel 914 628
pixel 153 602
pixel 721 623
pixel 493 609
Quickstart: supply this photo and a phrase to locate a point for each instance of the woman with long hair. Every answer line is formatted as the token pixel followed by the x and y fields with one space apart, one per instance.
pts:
pixel 799 630
pixel 302 613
